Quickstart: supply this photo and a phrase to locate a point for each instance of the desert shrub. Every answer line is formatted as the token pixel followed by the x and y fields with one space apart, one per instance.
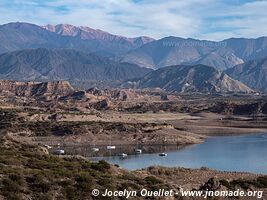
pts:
pixel 152 180
pixel 83 182
pixel 100 166
pixel 12 196
pixel 225 183
pixel 41 128
pixel 262 181
pixel 10 185
pixel 10 160
pixel 38 183
pixel 105 182
pixel 71 193
pixel 129 185
pixel 44 196
pixel 245 184
pixel 18 178
pixel 131 177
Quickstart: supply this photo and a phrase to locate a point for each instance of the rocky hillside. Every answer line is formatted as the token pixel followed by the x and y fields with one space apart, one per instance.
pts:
pixel 64 64
pixel 253 73
pixel 248 49
pixel 30 89
pixel 182 78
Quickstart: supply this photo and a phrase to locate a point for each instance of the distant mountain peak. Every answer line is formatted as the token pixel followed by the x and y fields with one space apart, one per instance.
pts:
pixel 85 32
pixel 20 35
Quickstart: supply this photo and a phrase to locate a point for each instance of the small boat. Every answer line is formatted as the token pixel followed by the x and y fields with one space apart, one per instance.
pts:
pixel 95 149
pixel 110 147
pixel 47 146
pixel 163 154
pixel 138 151
pixel 123 155
pixel 60 151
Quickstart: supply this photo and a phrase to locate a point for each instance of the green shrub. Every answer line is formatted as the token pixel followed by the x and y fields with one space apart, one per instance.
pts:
pixel 10 185
pixel 105 182
pixel 39 184
pixel 262 181
pixel 245 184
pixel 225 183
pixel 101 166
pixel 152 180
pixel 71 193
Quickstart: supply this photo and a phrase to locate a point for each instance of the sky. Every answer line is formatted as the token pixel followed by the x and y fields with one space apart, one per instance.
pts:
pixel 200 19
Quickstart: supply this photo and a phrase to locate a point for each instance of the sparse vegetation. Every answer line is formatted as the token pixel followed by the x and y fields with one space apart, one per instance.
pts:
pixel 26 171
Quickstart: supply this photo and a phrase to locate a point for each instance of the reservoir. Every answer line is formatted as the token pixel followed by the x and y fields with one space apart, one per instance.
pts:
pixel 245 153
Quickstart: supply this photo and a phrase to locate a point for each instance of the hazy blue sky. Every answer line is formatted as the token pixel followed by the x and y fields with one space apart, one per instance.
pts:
pixel 204 19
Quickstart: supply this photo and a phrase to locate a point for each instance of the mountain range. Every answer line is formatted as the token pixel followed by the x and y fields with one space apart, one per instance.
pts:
pixel 184 79
pixel 253 73
pixel 84 56
pixel 175 51
pixel 64 64
pixel 18 36
pixel 87 33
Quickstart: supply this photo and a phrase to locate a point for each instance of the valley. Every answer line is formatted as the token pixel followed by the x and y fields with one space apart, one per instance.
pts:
pixel 35 116
pixel 55 112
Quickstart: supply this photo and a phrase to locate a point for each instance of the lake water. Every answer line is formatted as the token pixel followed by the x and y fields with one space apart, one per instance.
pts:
pixel 246 153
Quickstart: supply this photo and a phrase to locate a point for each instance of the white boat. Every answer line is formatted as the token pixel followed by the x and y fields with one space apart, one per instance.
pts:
pixel 95 149
pixel 123 155
pixel 163 154
pixel 60 151
pixel 47 146
pixel 138 151
pixel 110 147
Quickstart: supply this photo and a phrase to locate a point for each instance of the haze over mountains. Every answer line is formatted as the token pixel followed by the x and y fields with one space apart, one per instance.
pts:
pixel 174 50
pixel 82 54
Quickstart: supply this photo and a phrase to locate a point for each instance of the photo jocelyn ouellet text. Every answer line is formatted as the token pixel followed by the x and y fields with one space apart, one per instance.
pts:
pixel 171 193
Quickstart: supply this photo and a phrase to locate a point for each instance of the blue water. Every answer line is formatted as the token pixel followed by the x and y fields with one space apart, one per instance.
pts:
pixel 246 153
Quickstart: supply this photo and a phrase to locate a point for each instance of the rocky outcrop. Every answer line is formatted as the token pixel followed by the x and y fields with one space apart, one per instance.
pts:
pixel 34 88
pixel 101 105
